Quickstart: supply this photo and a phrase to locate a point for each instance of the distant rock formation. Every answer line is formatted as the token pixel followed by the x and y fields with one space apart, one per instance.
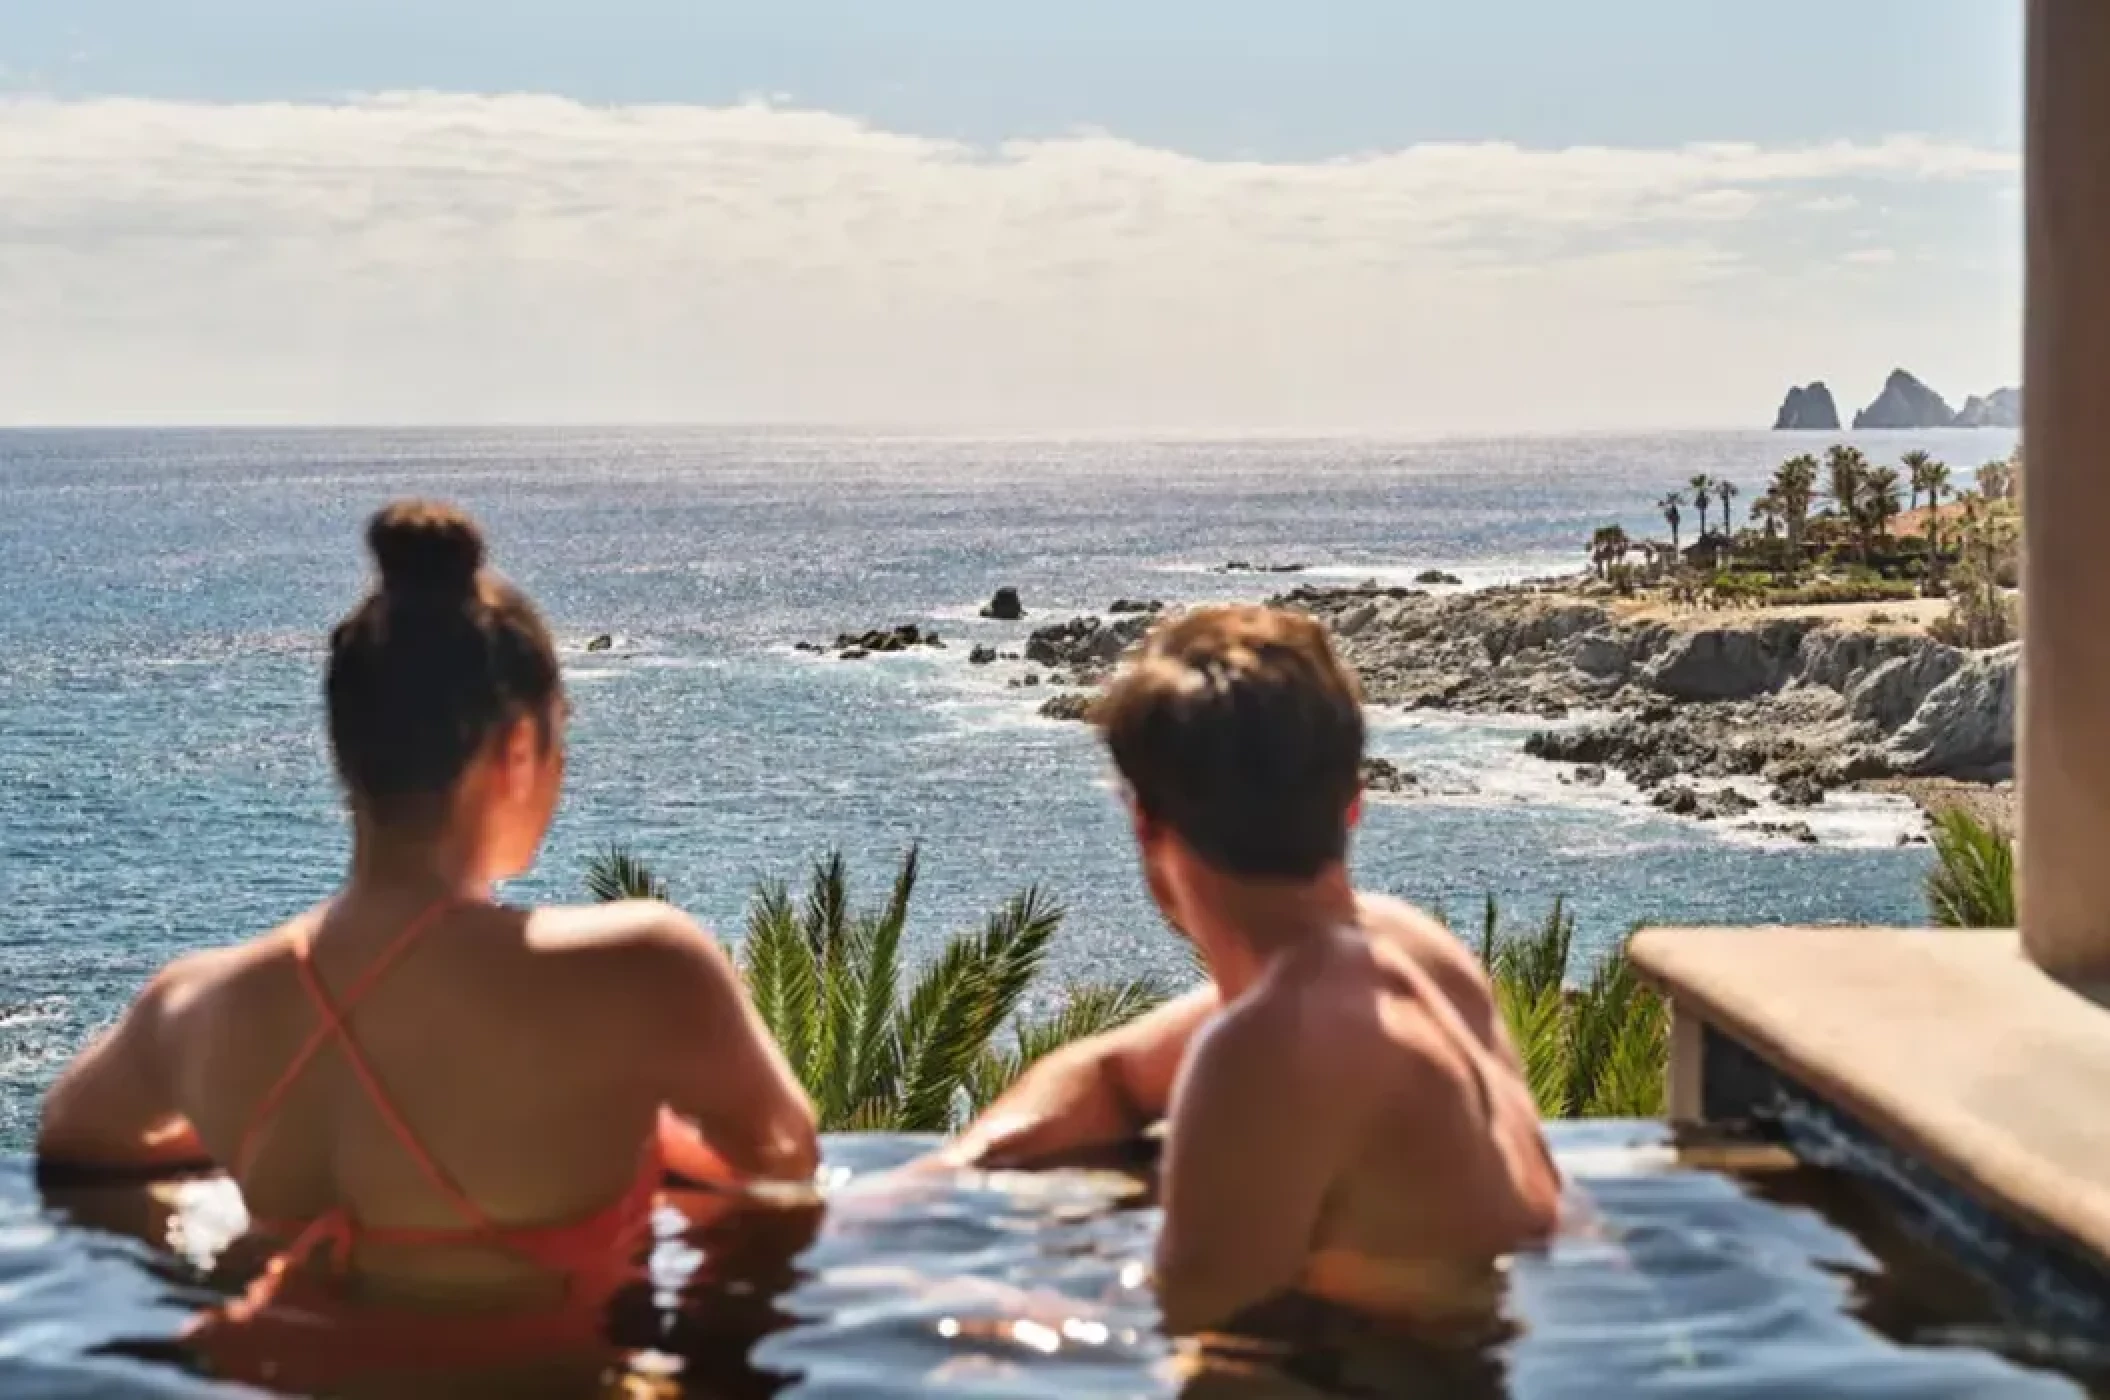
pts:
pixel 1004 606
pixel 1905 403
pixel 2000 409
pixel 1807 410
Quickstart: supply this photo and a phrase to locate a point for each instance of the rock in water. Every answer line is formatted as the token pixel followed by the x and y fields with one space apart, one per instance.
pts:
pixel 1125 606
pixel 604 642
pixel 1085 643
pixel 1807 410
pixel 981 656
pixel 1075 705
pixel 2000 409
pixel 1383 775
pixel 1681 801
pixel 1905 403
pixel 1005 606
pixel 1799 832
pixel 901 638
pixel 1799 790
pixel 1437 578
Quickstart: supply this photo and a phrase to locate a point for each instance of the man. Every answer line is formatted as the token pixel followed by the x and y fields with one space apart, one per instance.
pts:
pixel 1347 1116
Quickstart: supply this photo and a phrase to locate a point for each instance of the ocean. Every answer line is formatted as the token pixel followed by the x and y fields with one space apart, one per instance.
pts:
pixel 164 783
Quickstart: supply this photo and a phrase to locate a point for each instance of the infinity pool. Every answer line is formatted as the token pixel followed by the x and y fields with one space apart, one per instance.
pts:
pixel 1714 1270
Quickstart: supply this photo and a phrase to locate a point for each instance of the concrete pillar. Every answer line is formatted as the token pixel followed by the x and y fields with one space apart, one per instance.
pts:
pixel 2065 711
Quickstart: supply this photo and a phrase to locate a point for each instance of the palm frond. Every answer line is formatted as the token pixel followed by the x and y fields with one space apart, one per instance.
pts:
pixel 875 1061
pixel 827 906
pixel 874 1115
pixel 939 1043
pixel 617 874
pixel 1629 1077
pixel 782 975
pixel 960 1002
pixel 1972 884
pixel 1535 1021
pixel 1088 1009
pixel 1539 959
pixel 843 976
pixel 1599 1014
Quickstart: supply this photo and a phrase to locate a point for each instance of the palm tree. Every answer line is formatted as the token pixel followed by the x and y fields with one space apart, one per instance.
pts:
pixel 1669 506
pixel 1845 469
pixel 1767 511
pixel 1795 482
pixel 1916 464
pixel 1593 1051
pixel 1972 884
pixel 1880 502
pixel 1726 491
pixel 1937 484
pixel 1846 479
pixel 827 981
pixel 1994 479
pixel 1608 546
pixel 1702 487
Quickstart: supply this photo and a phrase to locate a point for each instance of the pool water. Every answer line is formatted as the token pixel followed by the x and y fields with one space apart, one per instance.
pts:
pixel 1716 1269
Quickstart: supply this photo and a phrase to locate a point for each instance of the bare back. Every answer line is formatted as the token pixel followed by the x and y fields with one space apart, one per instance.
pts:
pixel 1450 1164
pixel 528 1054
pixel 1355 1125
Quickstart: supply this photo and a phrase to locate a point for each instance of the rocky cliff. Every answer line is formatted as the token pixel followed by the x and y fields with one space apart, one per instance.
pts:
pixel 1804 703
pixel 1905 403
pixel 2000 409
pixel 1808 409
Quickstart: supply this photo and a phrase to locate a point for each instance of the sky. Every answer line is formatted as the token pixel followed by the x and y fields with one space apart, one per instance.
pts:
pixel 1176 216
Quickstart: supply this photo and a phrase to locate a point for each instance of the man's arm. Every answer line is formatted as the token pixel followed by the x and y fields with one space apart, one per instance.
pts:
pixel 1092 1093
pixel 721 1067
pixel 1259 1127
pixel 114 1107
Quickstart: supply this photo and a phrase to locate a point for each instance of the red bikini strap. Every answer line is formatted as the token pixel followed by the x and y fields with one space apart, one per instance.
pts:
pixel 376 1094
pixel 329 1022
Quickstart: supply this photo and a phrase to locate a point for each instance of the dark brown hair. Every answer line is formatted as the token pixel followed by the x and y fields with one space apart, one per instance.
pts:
pixel 1241 730
pixel 431 664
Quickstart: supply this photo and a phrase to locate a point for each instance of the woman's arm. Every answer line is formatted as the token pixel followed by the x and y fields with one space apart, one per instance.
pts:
pixel 721 1068
pixel 114 1107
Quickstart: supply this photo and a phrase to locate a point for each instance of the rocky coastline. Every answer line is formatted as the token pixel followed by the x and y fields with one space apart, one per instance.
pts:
pixel 1683 706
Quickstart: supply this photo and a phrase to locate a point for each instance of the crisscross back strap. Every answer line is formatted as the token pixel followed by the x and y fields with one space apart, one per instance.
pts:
pixel 330 1026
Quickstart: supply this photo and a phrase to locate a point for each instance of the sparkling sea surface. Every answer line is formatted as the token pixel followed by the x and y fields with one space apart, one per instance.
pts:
pixel 164 783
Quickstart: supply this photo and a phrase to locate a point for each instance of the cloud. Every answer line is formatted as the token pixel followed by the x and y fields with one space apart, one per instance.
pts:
pixel 1872 257
pixel 419 257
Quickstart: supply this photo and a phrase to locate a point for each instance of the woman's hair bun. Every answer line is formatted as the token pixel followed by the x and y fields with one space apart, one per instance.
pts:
pixel 425 547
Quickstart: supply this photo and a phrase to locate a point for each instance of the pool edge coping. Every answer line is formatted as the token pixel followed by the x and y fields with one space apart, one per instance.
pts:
pixel 1948 1044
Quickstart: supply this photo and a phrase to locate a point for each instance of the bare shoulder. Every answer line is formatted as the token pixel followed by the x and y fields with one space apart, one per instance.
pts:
pixel 211 974
pixel 630 925
pixel 1296 1036
pixel 1434 947
pixel 631 948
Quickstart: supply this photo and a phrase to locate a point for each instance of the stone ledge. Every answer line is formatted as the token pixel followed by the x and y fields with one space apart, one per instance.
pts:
pixel 1948 1044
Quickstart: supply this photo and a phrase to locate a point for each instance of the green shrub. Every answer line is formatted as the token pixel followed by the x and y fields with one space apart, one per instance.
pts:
pixel 828 982
pixel 1866 591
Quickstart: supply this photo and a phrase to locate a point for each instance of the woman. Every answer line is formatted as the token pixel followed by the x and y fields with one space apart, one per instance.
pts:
pixel 426 1097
